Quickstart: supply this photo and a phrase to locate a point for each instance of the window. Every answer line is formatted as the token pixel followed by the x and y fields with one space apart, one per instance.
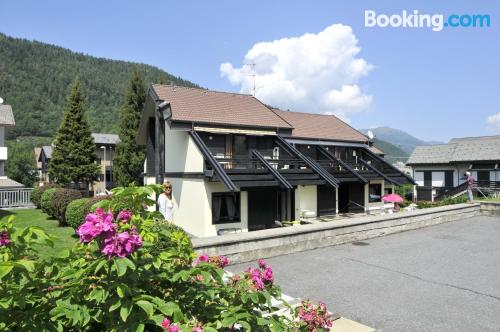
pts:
pixel 375 193
pixel 387 191
pixel 225 208
pixel 240 146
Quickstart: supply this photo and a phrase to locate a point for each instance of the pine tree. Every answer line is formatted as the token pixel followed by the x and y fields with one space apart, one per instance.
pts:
pixel 73 155
pixel 128 164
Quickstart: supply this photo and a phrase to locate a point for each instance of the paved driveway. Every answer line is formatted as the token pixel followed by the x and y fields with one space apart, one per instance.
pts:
pixel 439 278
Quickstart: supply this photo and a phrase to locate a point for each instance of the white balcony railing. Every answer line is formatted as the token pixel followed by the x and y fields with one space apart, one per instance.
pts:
pixel 15 197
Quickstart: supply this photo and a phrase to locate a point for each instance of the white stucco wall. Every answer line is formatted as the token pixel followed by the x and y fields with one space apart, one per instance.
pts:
pixel 305 199
pixel 181 153
pixel 193 199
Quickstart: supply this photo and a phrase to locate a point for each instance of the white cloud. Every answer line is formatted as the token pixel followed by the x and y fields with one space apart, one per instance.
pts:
pixel 311 73
pixel 494 122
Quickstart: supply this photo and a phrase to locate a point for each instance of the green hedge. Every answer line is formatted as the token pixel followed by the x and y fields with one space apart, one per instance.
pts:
pixel 36 194
pixel 60 200
pixel 76 211
pixel 46 201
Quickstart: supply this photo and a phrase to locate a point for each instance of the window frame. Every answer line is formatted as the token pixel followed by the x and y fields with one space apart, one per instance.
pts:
pixel 226 219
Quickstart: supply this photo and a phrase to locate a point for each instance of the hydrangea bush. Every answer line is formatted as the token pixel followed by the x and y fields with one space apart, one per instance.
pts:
pixel 131 271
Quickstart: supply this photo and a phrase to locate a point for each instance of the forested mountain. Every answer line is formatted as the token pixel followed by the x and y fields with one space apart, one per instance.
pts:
pixel 35 77
pixel 392 153
pixel 399 138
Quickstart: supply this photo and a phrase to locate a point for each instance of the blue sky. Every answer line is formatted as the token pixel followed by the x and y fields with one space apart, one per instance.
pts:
pixel 434 85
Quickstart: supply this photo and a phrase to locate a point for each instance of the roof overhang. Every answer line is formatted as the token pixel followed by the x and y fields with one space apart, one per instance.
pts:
pixel 242 131
pixel 323 142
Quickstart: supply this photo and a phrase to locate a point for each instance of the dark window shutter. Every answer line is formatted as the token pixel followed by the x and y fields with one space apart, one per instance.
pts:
pixel 150 148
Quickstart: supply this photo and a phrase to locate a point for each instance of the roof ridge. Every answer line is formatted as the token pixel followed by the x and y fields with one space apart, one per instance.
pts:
pixel 475 137
pixel 203 89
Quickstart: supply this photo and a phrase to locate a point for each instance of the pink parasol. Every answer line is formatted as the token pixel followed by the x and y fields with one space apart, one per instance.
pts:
pixel 392 198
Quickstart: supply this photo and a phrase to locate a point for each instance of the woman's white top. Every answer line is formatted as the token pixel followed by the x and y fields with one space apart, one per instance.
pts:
pixel 166 207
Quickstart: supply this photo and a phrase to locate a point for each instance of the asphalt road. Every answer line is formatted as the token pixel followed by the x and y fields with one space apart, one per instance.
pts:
pixel 439 278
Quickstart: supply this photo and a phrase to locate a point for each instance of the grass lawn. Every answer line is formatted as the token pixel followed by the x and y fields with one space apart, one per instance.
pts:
pixel 489 199
pixel 66 237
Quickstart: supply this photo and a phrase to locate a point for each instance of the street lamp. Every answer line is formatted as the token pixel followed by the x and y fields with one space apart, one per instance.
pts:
pixel 104 166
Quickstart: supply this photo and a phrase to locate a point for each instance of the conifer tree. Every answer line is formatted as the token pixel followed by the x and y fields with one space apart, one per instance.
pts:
pixel 73 155
pixel 128 163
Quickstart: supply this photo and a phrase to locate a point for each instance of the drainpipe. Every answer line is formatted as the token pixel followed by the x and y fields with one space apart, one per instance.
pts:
pixel 159 144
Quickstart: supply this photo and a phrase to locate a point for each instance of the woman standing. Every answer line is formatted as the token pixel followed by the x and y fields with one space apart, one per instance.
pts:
pixel 166 204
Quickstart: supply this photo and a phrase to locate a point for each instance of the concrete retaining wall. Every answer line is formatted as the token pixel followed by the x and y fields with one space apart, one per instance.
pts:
pixel 490 208
pixel 244 247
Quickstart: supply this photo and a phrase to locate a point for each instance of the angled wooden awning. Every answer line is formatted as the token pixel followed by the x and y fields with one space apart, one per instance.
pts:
pixel 324 174
pixel 272 170
pixel 218 169
pixel 384 162
pixel 330 156
pixel 373 168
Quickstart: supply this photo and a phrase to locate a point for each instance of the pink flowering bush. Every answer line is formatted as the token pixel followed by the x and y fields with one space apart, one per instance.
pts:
pixel 313 317
pixel 131 271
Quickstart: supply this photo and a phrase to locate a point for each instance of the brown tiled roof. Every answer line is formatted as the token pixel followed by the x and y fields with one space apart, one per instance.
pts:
pixel 320 126
pixel 375 150
pixel 204 106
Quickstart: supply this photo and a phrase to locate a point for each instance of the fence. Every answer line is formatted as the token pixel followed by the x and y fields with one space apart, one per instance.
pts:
pixel 15 197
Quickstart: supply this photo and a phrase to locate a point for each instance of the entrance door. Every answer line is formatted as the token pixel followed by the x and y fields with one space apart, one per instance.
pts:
pixel 326 200
pixel 351 197
pixel 262 208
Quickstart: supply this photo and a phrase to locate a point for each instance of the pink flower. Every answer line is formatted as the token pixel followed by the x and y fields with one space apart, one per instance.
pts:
pixel 203 258
pixel 173 328
pixel 124 215
pixel 166 323
pixel 224 261
pixel 256 277
pixel 121 244
pixel 96 224
pixel 268 274
pixel 197 328
pixel 4 238
pixel 262 263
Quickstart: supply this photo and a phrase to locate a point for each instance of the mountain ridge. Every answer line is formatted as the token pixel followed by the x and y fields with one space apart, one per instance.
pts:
pixel 35 78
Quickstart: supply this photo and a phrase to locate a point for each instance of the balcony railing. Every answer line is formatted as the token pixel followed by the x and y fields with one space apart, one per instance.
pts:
pixel 237 163
pixel 15 197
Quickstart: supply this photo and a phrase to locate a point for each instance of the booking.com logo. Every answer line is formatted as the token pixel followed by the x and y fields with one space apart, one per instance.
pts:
pixel 416 20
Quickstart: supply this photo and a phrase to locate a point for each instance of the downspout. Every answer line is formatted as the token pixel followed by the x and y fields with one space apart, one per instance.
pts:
pixel 159 141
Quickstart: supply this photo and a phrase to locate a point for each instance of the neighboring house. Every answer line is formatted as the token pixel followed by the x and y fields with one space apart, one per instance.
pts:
pixel 105 153
pixel 437 169
pixel 43 159
pixel 236 164
pixel 38 163
pixel 6 121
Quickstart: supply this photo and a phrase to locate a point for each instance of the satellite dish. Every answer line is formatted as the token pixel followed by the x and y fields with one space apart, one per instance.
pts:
pixel 370 134
pixel 1 100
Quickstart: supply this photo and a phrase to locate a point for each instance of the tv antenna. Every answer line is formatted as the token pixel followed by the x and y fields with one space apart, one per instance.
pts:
pixel 370 134
pixel 252 74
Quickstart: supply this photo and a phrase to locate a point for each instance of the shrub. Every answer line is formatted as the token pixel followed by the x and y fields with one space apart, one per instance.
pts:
pixel 46 201
pixel 60 200
pixel 92 204
pixel 76 211
pixel 112 282
pixel 36 194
